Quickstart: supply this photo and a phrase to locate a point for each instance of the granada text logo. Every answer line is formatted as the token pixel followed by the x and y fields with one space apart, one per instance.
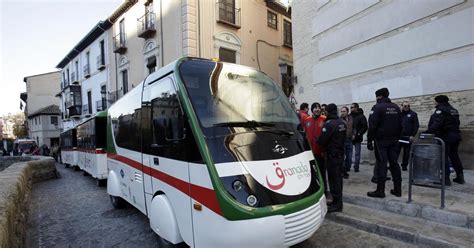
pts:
pixel 299 171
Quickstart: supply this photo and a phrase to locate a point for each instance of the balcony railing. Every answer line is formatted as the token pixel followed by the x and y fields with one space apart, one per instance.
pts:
pixel 120 41
pixel 74 78
pixel 87 71
pixel 146 25
pixel 101 104
pixel 114 96
pixel 74 111
pixel 85 109
pixel 100 63
pixel 64 84
pixel 227 13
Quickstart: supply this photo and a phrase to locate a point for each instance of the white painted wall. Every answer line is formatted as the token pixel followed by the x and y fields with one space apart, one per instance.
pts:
pixel 352 48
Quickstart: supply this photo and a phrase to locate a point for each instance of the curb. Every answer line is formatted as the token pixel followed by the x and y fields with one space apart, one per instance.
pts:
pixel 413 210
pixel 394 233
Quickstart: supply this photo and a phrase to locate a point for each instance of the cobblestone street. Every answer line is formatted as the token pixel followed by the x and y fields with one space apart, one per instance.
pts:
pixel 73 212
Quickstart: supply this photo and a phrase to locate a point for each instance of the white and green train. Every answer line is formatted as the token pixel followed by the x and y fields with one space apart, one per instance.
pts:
pixel 210 152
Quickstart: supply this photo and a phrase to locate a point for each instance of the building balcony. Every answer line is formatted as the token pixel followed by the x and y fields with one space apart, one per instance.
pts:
pixel 74 78
pixel 74 111
pixel 101 104
pixel 114 96
pixel 120 43
pixel 227 14
pixel 64 84
pixel 100 63
pixel 87 71
pixel 146 25
pixel 86 110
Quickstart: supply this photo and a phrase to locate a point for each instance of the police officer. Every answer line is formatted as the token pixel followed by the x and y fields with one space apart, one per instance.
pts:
pixel 332 140
pixel 444 123
pixel 385 127
pixel 410 125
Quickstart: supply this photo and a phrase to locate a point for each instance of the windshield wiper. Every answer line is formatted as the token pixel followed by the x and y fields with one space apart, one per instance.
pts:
pixel 278 131
pixel 251 123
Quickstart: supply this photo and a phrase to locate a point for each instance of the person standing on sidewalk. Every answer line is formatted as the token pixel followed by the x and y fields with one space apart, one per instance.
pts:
pixel 313 126
pixel 359 127
pixel 303 114
pixel 444 123
pixel 410 125
pixel 385 128
pixel 332 139
pixel 347 119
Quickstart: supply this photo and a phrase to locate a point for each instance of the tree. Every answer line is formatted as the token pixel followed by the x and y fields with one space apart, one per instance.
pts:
pixel 19 128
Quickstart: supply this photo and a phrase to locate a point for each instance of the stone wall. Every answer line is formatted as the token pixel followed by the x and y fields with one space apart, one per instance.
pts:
pixel 424 106
pixel 15 193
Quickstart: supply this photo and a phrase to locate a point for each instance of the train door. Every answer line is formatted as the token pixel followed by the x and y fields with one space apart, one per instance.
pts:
pixel 164 149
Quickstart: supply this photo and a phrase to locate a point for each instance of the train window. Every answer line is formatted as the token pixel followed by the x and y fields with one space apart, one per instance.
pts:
pixel 167 123
pixel 126 119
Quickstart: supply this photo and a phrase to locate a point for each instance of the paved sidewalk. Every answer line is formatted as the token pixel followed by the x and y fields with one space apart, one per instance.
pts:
pixel 459 198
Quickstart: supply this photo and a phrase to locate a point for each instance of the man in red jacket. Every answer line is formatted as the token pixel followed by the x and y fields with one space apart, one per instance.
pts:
pixel 313 126
pixel 303 114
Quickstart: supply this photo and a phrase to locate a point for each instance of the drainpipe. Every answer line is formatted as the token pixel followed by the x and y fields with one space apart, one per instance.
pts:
pixel 116 77
pixel 199 27
pixel 161 34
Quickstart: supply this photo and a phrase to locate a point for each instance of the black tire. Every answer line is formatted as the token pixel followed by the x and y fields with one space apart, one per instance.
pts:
pixel 102 183
pixel 117 202
pixel 84 173
pixel 66 166
pixel 76 168
pixel 163 243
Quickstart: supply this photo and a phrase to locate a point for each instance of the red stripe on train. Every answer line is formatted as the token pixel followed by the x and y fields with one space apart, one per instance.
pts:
pixel 201 194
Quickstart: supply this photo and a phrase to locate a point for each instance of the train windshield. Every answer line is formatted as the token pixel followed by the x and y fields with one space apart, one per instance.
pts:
pixel 227 95
pixel 251 133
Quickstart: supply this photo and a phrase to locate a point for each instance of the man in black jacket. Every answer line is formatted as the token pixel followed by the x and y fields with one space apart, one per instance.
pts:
pixel 359 127
pixel 332 140
pixel 444 123
pixel 385 127
pixel 410 125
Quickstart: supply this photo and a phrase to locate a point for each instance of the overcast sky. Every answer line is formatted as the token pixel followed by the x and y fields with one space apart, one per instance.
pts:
pixel 36 35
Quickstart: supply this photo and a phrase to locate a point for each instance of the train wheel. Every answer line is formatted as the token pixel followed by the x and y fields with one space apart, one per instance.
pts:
pixel 117 202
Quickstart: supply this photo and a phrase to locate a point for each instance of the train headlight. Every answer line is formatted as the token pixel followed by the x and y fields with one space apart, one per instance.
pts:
pixel 237 185
pixel 252 200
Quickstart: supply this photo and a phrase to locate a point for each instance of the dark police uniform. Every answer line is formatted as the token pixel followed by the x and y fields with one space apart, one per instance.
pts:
pixel 385 127
pixel 444 123
pixel 332 138
pixel 410 126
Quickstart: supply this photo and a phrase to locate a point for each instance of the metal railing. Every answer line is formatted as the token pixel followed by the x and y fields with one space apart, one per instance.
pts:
pixel 227 13
pixel 101 104
pixel 73 77
pixel 87 71
pixel 120 41
pixel 146 24
pixel 100 62
pixel 85 109
pixel 114 96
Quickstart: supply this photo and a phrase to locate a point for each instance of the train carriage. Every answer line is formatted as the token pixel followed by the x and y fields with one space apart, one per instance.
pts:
pixel 69 148
pixel 91 141
pixel 210 152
